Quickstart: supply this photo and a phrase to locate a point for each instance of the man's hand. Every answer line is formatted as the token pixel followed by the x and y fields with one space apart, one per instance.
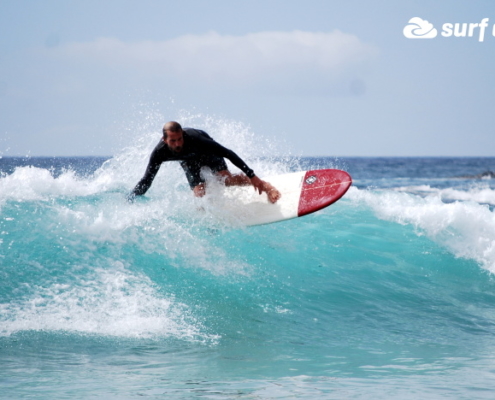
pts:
pixel 262 186
pixel 131 197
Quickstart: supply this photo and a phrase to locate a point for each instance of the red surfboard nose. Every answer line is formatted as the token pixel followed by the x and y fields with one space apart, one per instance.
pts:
pixel 321 188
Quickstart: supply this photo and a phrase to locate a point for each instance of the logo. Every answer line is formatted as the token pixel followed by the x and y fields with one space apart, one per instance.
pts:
pixel 419 28
pixel 311 179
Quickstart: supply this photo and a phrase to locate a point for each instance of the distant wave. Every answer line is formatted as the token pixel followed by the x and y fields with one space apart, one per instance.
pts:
pixel 483 175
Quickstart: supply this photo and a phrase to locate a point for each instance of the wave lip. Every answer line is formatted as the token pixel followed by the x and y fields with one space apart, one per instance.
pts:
pixel 476 194
pixel 466 229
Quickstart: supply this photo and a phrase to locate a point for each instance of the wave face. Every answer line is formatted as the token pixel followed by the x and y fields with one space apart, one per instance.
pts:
pixel 389 291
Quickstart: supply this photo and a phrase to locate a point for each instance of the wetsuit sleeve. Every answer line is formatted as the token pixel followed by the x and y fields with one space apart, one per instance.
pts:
pixel 151 171
pixel 221 151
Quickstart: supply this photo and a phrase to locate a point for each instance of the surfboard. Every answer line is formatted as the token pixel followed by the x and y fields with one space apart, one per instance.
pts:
pixel 303 193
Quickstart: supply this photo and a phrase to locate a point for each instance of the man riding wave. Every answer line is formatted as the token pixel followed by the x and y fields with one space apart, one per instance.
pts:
pixel 195 149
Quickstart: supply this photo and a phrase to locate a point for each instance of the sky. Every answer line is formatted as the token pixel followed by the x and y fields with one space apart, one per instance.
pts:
pixel 326 78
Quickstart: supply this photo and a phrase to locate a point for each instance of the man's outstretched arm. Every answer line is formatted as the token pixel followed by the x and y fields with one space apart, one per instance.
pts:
pixel 144 184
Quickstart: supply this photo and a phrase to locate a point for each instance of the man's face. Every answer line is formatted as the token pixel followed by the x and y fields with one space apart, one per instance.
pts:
pixel 174 141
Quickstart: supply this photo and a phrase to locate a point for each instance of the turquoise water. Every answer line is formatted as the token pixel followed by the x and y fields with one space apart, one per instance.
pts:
pixel 388 293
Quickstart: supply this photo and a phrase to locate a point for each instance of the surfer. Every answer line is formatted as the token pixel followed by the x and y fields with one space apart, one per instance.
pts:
pixel 195 149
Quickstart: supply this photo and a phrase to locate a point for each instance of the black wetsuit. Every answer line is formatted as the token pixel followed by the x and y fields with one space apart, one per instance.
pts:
pixel 199 150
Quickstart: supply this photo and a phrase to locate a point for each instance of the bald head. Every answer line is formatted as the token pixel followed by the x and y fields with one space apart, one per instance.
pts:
pixel 171 126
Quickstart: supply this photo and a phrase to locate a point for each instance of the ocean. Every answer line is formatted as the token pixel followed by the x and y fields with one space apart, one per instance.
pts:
pixel 388 293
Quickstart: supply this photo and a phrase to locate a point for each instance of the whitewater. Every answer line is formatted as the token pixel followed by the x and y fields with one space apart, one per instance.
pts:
pixel 388 293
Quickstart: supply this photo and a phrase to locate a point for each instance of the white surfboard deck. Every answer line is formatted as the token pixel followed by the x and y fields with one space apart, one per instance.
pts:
pixel 302 192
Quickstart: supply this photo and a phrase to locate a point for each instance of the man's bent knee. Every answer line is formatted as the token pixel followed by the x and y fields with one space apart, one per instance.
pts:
pixel 224 173
pixel 234 179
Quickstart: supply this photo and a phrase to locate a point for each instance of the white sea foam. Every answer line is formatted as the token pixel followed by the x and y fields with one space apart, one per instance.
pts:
pixel 31 183
pixel 467 229
pixel 114 302
pixel 38 184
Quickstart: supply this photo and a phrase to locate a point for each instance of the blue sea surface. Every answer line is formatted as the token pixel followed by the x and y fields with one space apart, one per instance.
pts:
pixel 388 293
